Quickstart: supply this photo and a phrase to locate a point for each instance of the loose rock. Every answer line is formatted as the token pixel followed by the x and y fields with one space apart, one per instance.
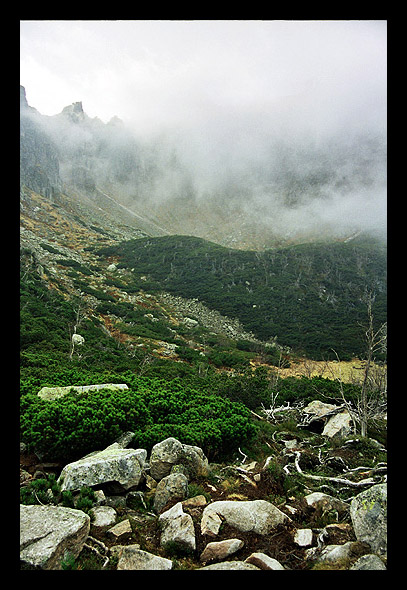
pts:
pixel 177 528
pixel 368 511
pixel 258 516
pixel 49 533
pixel 368 562
pixel 103 516
pixel 121 466
pixel 171 487
pixel 121 531
pixel 170 452
pixel 219 550
pixel 230 565
pixel 264 562
pixel 134 558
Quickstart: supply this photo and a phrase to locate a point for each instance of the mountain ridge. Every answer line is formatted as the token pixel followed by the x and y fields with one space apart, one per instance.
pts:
pixel 277 202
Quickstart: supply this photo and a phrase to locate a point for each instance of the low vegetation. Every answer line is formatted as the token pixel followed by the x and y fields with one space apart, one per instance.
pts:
pixel 311 296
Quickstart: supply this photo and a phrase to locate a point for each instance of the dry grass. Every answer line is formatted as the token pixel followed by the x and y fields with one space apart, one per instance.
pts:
pixel 347 371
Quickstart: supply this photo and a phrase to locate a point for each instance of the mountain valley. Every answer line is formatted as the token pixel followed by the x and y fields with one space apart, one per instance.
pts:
pixel 219 330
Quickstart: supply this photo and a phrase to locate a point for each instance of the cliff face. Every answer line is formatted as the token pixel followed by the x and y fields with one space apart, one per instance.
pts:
pixel 39 165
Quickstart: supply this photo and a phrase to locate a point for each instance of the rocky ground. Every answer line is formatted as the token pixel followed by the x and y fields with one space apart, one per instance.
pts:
pixel 174 510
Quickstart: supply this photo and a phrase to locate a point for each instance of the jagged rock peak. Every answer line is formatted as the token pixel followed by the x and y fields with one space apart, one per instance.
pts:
pixel 74 111
pixel 23 98
pixel 24 106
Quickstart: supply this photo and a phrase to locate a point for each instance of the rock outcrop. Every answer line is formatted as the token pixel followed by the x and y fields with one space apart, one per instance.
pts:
pixel 51 393
pixel 238 533
pixel 368 511
pixel 257 516
pixel 111 466
pixel 48 534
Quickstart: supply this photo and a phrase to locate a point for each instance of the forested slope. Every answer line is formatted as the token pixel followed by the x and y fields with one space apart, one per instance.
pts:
pixel 311 296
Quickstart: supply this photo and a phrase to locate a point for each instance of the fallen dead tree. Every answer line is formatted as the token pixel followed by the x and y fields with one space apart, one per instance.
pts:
pixel 341 479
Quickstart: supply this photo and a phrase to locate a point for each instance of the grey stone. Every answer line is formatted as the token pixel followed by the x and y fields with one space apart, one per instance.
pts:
pixel 319 409
pixel 170 452
pixel 219 550
pixel 264 562
pixel 338 553
pixel 171 487
pixel 134 558
pixel 177 528
pixel 258 516
pixel 303 537
pixel 51 393
pixel 326 502
pixel 338 425
pixel 113 464
pixel 163 456
pixel 368 511
pixel 230 565
pixel 103 516
pixel 120 531
pixel 49 533
pixel 368 562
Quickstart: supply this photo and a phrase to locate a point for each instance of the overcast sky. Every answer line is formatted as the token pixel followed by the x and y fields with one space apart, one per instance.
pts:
pixel 189 73
pixel 225 90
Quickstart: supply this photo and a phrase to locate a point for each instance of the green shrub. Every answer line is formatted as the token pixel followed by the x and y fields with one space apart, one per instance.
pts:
pixel 69 427
pixel 85 504
pixel 67 499
pixel 41 491
pixel 74 425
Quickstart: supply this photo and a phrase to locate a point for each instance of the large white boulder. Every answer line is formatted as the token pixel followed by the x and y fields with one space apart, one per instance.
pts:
pixel 48 534
pixel 170 452
pixel 368 511
pixel 51 393
pixel 257 516
pixel 177 528
pixel 112 465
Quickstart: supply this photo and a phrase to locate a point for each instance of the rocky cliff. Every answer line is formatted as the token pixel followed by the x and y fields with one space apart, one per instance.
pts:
pixel 39 163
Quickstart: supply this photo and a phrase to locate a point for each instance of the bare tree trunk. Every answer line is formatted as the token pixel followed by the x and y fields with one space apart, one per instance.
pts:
pixel 374 341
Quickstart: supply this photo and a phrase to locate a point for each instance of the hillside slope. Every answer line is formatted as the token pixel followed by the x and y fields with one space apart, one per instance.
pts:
pixel 310 296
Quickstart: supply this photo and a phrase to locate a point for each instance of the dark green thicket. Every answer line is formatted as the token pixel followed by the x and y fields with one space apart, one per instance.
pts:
pixel 153 409
pixel 310 296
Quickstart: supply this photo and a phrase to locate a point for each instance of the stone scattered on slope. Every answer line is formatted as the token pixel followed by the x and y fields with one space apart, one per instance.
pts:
pixel 303 537
pixel 171 487
pixel 230 565
pixel 339 553
pixel 325 502
pixel 103 516
pixel 51 393
pixel 264 562
pixel 368 562
pixel 338 425
pixel 368 511
pixel 219 550
pixel 177 528
pixel 49 533
pixel 114 464
pixel 257 516
pixel 170 452
pixel 120 531
pixel 131 557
